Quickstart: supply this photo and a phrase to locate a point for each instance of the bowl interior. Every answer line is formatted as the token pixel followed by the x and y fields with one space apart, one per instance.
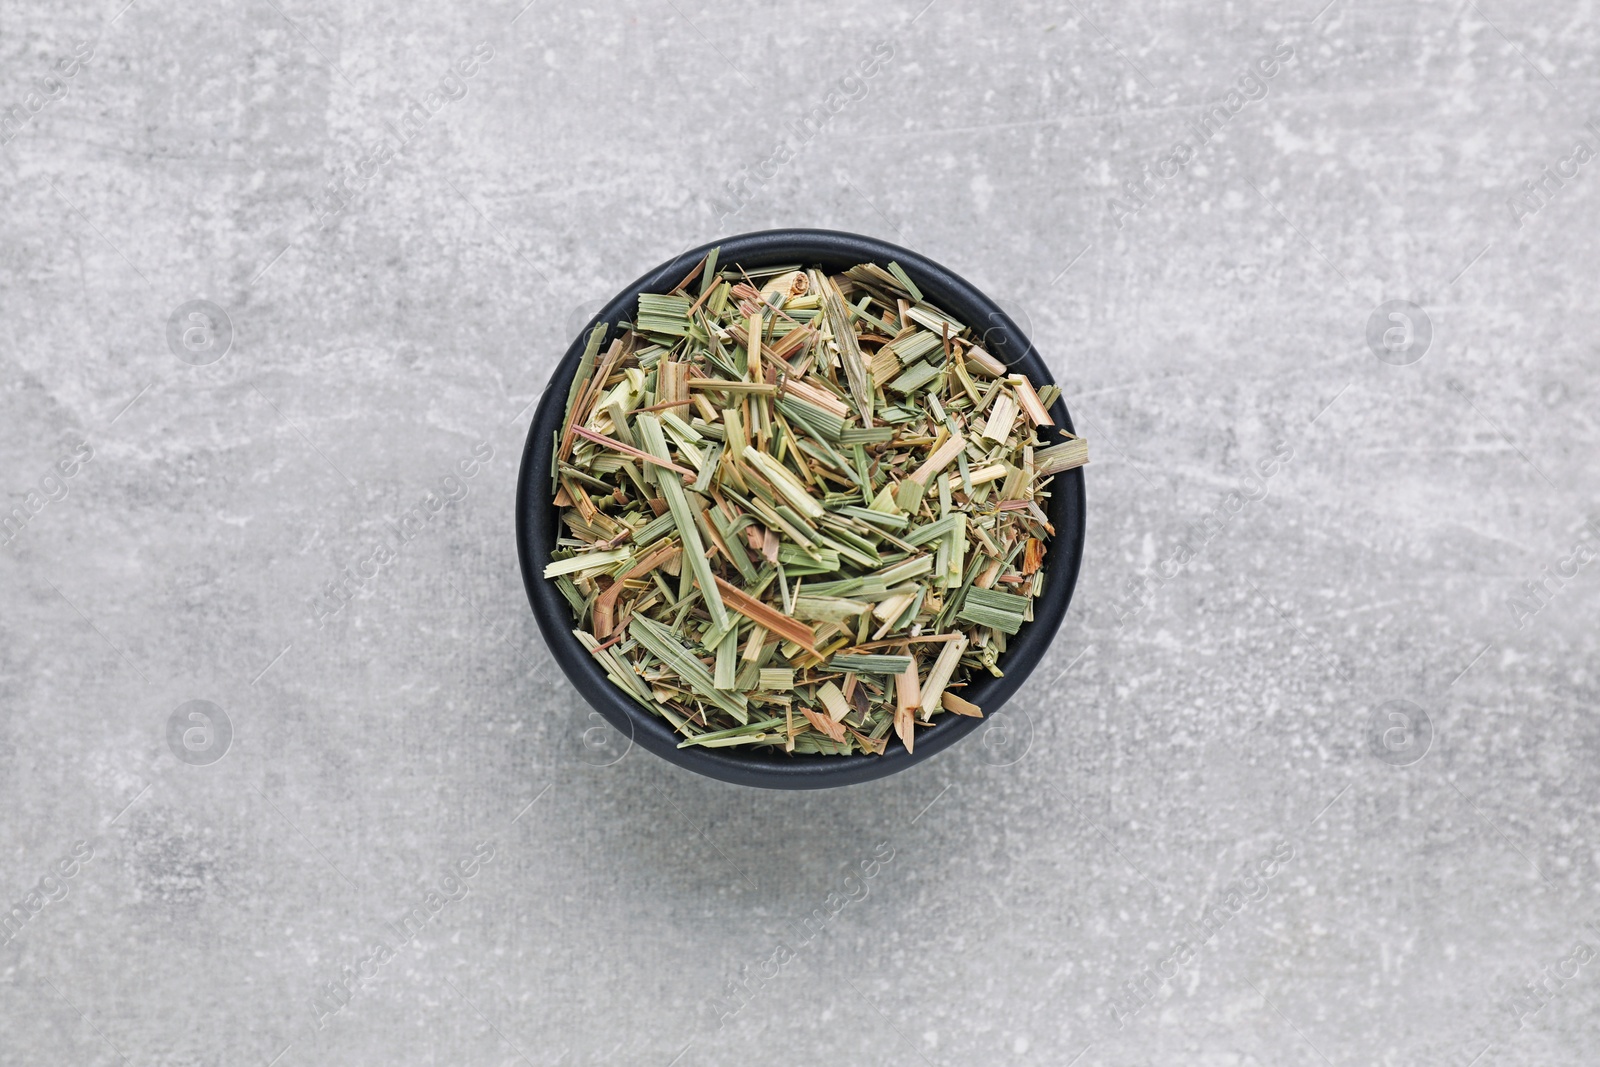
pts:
pixel 537 520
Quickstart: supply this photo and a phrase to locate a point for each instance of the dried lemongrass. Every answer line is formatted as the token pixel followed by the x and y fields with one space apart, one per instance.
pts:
pixel 801 510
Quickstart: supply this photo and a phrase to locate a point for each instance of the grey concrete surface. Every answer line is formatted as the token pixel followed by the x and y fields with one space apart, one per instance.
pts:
pixel 1309 776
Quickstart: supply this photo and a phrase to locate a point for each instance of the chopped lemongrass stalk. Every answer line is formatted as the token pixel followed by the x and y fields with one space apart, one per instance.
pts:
pixel 586 561
pixel 951 702
pixel 786 483
pixel 871 664
pixel 777 679
pixel 1030 400
pixel 939 676
pixel 833 699
pixel 1002 416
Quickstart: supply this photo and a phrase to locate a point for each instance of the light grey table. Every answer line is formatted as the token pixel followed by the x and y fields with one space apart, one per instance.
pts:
pixel 1307 778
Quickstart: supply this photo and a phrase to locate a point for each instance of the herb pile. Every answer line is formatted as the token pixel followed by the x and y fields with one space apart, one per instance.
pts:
pixel 801 510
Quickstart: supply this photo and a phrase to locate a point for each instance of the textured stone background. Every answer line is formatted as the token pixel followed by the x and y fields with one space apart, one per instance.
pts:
pixel 1192 720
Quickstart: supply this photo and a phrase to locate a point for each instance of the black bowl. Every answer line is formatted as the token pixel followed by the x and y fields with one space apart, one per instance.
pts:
pixel 537 521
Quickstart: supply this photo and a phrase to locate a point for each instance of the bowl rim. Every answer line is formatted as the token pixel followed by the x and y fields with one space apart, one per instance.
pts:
pixel 537 520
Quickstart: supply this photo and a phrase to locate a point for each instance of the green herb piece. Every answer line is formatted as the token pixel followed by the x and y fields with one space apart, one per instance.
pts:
pixel 672 489
pixel 586 561
pixel 663 314
pixel 666 647
pixel 1061 457
pixel 777 679
pixel 871 664
pixel 905 281
pixel 994 620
